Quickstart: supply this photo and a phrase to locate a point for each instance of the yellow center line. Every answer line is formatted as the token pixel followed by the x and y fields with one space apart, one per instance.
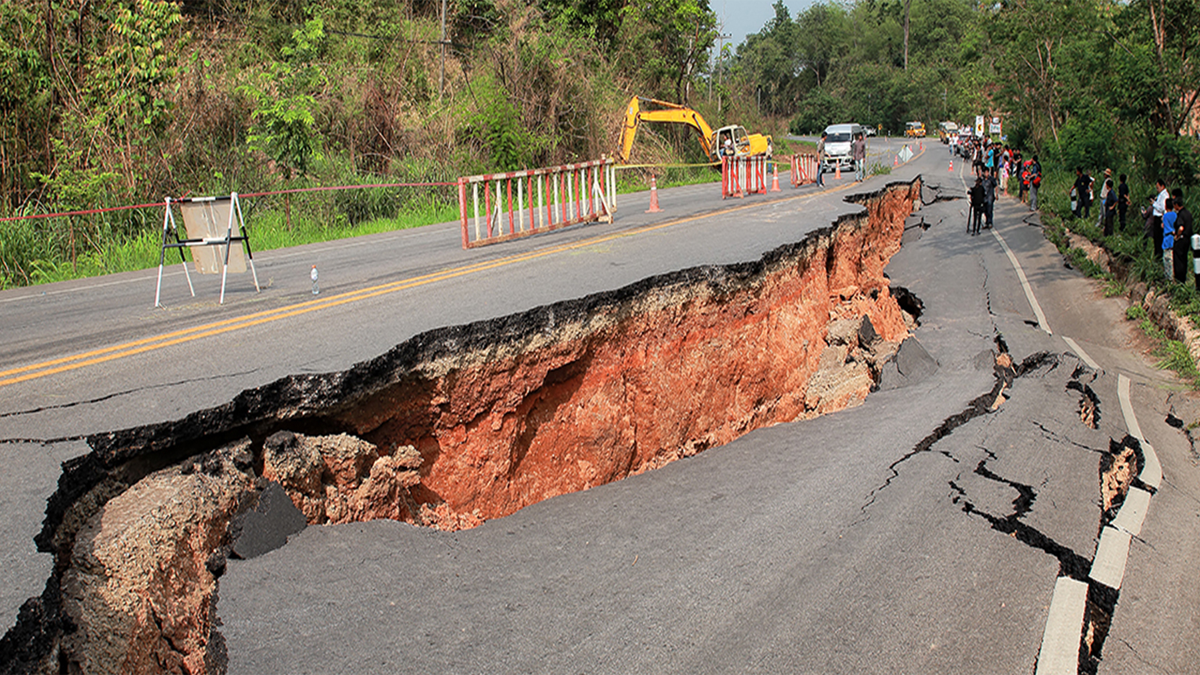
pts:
pixel 97 356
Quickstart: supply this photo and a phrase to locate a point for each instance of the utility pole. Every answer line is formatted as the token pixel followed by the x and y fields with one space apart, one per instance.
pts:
pixel 442 45
pixel 721 37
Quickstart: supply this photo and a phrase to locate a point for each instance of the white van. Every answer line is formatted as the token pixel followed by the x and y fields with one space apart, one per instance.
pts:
pixel 837 144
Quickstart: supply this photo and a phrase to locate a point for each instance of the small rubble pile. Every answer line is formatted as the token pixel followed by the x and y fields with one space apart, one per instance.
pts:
pixel 341 479
pixel 850 365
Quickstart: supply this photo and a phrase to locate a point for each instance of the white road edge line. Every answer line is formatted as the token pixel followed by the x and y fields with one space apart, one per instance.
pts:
pixel 1037 309
pixel 1131 422
pixel 1151 474
pixel 1059 654
pixel 1108 566
pixel 1082 354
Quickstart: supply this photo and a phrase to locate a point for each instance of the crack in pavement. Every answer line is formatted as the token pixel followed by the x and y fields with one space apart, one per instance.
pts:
pixel 980 405
pixel 1070 563
pixel 127 392
pixel 42 441
pixel 1137 655
pixel 1057 438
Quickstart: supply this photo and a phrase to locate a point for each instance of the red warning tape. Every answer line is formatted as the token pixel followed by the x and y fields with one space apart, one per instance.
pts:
pixel 90 212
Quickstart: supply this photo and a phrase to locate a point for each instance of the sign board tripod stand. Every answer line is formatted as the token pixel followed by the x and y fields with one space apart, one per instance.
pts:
pixel 212 223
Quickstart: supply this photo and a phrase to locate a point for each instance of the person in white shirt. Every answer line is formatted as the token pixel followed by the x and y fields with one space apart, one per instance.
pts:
pixel 1103 195
pixel 1154 221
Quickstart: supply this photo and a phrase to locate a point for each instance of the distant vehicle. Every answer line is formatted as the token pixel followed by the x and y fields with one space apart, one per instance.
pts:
pixel 915 130
pixel 947 131
pixel 965 134
pixel 868 130
pixel 837 144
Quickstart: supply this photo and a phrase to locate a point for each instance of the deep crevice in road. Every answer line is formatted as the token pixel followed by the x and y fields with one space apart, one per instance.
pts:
pixel 461 425
pixel 1005 373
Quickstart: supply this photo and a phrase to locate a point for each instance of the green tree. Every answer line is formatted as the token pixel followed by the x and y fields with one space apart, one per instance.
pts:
pixel 665 42
pixel 284 101
pixel 767 59
pixel 596 19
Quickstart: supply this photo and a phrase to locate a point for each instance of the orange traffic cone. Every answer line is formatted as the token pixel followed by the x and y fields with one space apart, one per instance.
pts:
pixel 775 179
pixel 896 161
pixel 951 166
pixel 653 196
pixel 837 171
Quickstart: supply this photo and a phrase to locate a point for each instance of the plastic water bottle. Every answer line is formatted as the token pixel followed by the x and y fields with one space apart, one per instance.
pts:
pixel 313 276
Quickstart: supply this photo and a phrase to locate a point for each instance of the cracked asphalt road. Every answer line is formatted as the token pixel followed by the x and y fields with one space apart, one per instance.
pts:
pixel 905 535
pixel 913 534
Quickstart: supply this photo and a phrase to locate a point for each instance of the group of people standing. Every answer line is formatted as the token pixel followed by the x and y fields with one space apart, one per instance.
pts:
pixel 1168 222
pixel 1170 225
pixel 1114 199
pixel 993 164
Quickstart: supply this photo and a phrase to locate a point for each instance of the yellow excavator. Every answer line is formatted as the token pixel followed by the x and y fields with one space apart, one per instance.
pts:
pixel 740 143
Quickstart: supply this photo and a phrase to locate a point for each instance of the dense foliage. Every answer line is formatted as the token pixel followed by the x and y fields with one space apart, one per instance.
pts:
pixel 110 102
pixel 1092 83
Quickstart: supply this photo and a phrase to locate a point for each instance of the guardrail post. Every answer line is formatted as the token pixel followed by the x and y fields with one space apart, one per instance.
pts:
pixel 589 178
pixel 511 219
pixel 462 208
pixel 499 210
pixel 475 200
pixel 612 185
pixel 541 214
pixel 529 191
pixel 1196 260
pixel 487 206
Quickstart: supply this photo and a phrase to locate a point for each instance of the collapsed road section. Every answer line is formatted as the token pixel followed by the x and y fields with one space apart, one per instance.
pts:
pixel 457 426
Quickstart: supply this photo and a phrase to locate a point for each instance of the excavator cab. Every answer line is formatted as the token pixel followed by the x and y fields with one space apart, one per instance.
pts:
pixel 741 140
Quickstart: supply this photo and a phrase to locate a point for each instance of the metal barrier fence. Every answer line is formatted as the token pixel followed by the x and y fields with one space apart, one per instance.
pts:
pixel 566 195
pixel 804 169
pixel 743 175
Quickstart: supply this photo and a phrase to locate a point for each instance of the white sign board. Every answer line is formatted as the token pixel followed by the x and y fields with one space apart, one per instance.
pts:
pixel 979 125
pixel 211 220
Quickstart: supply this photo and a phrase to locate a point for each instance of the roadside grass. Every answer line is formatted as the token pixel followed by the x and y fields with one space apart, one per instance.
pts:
pixel 60 249
pixel 269 229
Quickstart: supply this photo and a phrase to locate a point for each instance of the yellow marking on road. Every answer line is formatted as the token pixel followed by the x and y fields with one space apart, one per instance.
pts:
pixel 135 347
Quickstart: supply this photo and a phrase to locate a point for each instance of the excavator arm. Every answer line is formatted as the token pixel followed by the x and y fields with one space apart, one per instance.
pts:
pixel 672 113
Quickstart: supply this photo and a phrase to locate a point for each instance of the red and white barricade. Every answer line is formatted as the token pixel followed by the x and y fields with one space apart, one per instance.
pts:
pixel 804 169
pixel 743 175
pixel 565 195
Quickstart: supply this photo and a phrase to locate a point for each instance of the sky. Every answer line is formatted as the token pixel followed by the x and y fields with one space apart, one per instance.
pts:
pixel 743 17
